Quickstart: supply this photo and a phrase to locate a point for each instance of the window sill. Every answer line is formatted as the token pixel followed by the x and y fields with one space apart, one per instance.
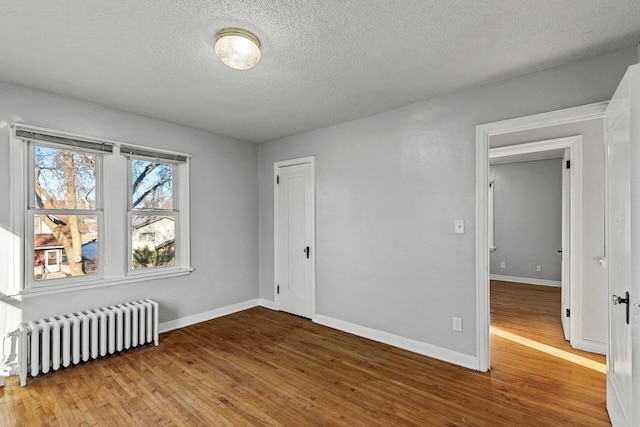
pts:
pixel 93 284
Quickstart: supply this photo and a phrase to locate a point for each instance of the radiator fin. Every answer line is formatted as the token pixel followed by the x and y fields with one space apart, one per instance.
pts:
pixel 73 338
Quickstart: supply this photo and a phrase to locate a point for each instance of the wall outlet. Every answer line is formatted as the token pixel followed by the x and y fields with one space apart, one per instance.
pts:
pixel 503 264
pixel 538 268
pixel 457 324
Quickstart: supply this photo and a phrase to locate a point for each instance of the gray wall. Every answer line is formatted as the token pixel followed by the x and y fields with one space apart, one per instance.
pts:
pixel 388 189
pixel 527 219
pixel 224 208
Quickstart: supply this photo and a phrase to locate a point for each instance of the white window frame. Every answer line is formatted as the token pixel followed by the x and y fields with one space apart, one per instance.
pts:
pixel 32 211
pixel 113 233
pixel 175 212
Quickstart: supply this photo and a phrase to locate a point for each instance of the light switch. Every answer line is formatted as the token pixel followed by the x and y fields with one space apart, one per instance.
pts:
pixel 459 226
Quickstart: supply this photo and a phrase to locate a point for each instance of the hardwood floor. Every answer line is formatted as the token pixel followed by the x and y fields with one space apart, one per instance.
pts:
pixel 261 367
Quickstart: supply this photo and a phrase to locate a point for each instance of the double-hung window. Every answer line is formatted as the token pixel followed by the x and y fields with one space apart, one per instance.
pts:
pixel 153 209
pixel 64 206
pixel 93 212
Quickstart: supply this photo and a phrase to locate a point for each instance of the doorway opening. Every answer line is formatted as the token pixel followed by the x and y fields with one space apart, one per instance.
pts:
pixel 558 153
pixel 485 135
pixel 535 345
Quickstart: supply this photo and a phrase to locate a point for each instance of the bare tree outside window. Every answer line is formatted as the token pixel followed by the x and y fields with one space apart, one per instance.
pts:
pixel 152 214
pixel 152 185
pixel 65 197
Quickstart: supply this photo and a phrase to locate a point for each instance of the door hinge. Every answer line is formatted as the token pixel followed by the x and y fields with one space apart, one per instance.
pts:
pixel 278 289
pixel 277 179
pixel 568 312
pixel 568 164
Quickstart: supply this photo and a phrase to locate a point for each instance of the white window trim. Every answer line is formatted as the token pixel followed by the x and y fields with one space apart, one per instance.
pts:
pixel 113 234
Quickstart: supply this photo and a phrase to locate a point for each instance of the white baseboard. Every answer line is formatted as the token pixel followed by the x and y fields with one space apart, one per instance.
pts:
pixel 271 305
pixel 527 280
pixel 593 347
pixel 207 315
pixel 419 347
pixel 213 314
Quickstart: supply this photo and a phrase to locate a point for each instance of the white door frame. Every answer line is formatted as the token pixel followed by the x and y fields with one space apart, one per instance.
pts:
pixel 566 281
pixel 483 133
pixel 312 161
pixel 574 145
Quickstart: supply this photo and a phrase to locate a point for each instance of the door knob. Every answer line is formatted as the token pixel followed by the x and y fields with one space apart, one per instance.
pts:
pixel 619 300
pixel 559 250
pixel 307 250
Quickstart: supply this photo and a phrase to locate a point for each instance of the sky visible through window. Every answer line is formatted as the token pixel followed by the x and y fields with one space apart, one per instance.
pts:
pixel 152 185
pixel 64 179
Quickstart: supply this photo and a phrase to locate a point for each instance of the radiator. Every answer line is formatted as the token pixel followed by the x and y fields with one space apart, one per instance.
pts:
pixel 57 342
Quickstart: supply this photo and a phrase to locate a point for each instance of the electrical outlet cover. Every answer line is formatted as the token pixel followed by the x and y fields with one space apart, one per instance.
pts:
pixel 457 324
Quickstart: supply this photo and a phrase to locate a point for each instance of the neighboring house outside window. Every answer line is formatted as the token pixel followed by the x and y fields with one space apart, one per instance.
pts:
pixel 152 240
pixel 153 213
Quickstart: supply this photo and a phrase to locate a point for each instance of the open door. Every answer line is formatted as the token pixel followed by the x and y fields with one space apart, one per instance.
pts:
pixel 565 250
pixel 622 142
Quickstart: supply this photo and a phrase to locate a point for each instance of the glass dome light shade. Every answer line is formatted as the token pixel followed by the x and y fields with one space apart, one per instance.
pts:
pixel 237 48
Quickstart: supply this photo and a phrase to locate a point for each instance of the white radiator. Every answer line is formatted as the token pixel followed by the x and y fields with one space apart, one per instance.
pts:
pixel 58 341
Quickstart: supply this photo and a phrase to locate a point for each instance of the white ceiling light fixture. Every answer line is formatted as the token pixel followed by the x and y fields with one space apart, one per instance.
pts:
pixel 237 48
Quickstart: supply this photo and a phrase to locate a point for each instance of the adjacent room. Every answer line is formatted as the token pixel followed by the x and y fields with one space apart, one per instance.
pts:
pixel 293 213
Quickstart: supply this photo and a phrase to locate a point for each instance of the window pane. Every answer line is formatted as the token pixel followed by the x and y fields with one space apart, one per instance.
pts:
pixel 146 237
pixel 151 185
pixel 64 179
pixel 52 257
pixel 66 246
pixel 152 240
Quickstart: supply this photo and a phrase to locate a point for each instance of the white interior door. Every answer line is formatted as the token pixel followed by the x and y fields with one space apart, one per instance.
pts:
pixel 565 251
pixel 619 243
pixel 294 239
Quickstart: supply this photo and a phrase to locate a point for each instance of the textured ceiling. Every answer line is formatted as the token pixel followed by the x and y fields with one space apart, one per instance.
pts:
pixel 323 61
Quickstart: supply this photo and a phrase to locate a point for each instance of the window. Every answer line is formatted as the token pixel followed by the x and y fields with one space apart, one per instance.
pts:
pixel 63 186
pixel 146 237
pixel 52 257
pixel 151 213
pixel 74 213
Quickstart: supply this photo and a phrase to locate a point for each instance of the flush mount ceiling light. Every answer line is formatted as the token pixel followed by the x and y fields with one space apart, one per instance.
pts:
pixel 237 48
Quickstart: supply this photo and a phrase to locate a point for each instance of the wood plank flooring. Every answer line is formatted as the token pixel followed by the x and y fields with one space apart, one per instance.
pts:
pixel 261 367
